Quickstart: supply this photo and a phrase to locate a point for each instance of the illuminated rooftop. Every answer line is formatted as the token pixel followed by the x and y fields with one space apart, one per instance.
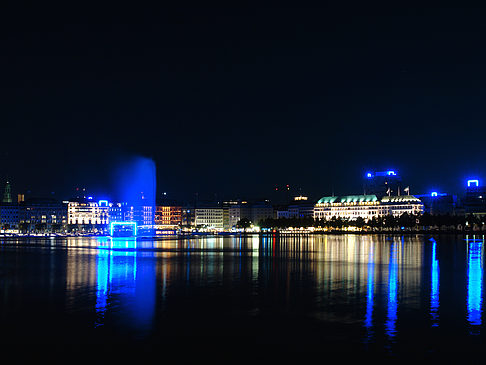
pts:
pixel 400 199
pixel 348 199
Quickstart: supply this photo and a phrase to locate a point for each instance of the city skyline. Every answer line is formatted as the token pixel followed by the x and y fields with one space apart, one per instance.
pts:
pixel 278 193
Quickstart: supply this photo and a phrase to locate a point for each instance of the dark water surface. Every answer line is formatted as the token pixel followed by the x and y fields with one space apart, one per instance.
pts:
pixel 371 295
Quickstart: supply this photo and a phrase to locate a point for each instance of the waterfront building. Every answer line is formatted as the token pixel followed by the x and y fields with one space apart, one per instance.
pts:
pixel 143 215
pixel 115 212
pixel 9 216
pixel 209 217
pixel 474 201
pixel 227 205
pixel 168 215
pixel 261 211
pixel 238 212
pixel 381 183
pixel 87 212
pixel 42 215
pixel 188 217
pixel 301 207
pixel 366 206
pixel 437 203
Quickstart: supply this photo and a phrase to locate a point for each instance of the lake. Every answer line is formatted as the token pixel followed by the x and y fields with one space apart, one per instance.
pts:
pixel 376 295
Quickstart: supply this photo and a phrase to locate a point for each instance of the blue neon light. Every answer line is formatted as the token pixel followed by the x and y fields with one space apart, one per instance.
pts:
pixel 391 172
pixel 473 182
pixel 434 283
pixel 474 282
pixel 369 175
pixel 392 292
pixel 434 193
pixel 113 224
pixel 103 203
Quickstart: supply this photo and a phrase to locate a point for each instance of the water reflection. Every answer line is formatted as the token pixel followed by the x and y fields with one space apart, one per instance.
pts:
pixel 370 295
pixel 373 288
pixel 122 280
pixel 390 324
pixel 474 280
pixel 434 285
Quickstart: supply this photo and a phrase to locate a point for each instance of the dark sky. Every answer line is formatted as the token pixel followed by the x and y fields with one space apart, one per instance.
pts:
pixel 234 101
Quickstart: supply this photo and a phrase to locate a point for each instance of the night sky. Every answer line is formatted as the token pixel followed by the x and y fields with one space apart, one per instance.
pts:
pixel 234 101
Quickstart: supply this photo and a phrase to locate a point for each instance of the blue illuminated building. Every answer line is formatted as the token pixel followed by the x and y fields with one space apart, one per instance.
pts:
pixel 381 183
pixel 439 203
pixel 9 215
pixel 474 201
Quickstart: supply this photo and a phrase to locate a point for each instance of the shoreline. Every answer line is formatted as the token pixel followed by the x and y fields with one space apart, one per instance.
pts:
pixel 248 234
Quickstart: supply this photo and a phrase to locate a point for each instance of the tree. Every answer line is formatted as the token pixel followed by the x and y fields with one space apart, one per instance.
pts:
pixel 243 223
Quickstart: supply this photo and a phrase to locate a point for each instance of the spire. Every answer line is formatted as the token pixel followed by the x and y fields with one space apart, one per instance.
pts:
pixel 7 195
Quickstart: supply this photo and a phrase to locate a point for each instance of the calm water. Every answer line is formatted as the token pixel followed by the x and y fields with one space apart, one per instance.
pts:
pixel 387 295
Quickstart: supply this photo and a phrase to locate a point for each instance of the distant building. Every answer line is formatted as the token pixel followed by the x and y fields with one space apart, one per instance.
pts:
pixel 7 194
pixel 85 212
pixel 238 212
pixel 381 183
pixel 439 203
pixel 115 212
pixel 301 207
pixel 188 217
pixel 366 206
pixel 261 211
pixel 168 215
pixel 227 209
pixel 9 215
pixel 144 216
pixel 474 201
pixel 42 215
pixel 209 217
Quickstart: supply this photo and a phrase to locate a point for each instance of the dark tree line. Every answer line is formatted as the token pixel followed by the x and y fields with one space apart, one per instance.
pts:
pixel 419 221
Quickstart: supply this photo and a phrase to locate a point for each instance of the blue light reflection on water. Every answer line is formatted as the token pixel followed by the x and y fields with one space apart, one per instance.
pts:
pixel 434 283
pixel 390 325
pixel 120 276
pixel 368 323
pixel 474 281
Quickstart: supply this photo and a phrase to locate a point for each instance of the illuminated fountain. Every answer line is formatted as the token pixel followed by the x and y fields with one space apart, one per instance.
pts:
pixel 135 187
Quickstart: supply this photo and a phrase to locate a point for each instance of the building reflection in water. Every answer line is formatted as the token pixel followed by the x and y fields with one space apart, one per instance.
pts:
pixel 326 274
pixel 434 285
pixel 474 280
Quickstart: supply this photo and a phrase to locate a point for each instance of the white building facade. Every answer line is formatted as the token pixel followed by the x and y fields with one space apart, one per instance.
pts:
pixel 211 218
pixel 366 206
pixel 87 212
